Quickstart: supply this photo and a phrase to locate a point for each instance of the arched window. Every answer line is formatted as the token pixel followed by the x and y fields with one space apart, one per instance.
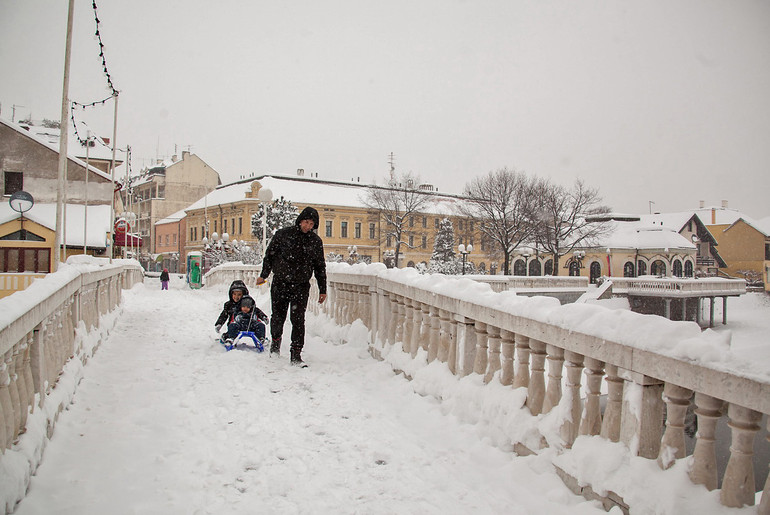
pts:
pixel 641 267
pixel 549 267
pixel 677 268
pixel 410 264
pixel 574 269
pixel 658 267
pixel 534 267
pixel 519 268
pixel 482 267
pixel 688 268
pixel 628 269
pixel 596 271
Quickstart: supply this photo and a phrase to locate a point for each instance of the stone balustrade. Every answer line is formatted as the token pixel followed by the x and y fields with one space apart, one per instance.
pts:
pixel 499 336
pixel 38 337
pixel 676 287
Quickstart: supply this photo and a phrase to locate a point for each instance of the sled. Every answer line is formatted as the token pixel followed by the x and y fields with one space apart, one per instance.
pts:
pixel 259 345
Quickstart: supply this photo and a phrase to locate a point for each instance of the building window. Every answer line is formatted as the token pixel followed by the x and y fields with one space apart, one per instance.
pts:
pixel 534 268
pixel 390 241
pixel 688 268
pixel 574 268
pixel 411 240
pixel 14 181
pixel 358 230
pixel 658 267
pixel 343 229
pixel 224 225
pixel 167 239
pixel 174 238
pixel 372 232
pixel 215 225
pixel 160 240
pixel 596 272
pixel 641 268
pixel 677 268
pixel 519 268
pixel 25 260
pixel 192 233
pixel 328 228
pixel 628 269
pixel 240 225
pixel 548 265
pixel 424 222
pixel 435 223
pixel 424 242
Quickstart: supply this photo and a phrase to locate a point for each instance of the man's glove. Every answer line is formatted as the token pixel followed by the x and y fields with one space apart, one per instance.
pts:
pixel 218 327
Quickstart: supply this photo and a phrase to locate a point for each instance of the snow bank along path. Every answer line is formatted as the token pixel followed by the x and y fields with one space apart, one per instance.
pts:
pixel 166 421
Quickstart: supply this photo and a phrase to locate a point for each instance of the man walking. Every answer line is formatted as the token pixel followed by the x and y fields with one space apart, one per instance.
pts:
pixel 294 255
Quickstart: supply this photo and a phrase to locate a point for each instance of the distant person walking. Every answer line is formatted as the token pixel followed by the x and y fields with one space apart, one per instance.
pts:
pixel 164 279
pixel 294 255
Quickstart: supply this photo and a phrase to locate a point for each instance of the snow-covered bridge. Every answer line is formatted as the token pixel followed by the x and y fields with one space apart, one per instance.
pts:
pixel 152 416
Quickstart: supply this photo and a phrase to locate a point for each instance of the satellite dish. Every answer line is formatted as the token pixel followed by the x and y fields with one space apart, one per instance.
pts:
pixel 21 201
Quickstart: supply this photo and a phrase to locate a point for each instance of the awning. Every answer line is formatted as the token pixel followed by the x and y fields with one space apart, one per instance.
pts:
pixel 127 240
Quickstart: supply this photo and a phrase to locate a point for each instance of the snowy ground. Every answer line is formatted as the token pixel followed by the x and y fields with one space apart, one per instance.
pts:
pixel 166 421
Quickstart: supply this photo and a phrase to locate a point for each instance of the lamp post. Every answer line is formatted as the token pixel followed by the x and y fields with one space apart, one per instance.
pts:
pixel 526 255
pixel 465 251
pixel 265 195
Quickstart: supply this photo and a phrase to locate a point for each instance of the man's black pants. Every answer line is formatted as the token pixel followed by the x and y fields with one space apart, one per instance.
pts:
pixel 285 296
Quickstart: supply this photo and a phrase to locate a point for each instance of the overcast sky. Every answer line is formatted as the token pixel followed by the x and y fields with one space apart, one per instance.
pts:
pixel 648 100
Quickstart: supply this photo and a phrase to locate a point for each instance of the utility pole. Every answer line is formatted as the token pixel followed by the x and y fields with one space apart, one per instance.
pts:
pixel 13 112
pixel 63 138
pixel 112 168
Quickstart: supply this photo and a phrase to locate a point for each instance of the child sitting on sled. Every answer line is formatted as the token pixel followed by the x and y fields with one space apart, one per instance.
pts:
pixel 250 318
pixel 232 307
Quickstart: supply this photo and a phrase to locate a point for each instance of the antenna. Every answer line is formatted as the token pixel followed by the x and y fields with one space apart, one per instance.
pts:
pixel 392 162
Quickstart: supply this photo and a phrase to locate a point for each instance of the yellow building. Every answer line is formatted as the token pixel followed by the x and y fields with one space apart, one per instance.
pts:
pixel 345 219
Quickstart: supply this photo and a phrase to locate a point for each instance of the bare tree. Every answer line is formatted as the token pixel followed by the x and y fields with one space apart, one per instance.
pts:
pixel 396 202
pixel 560 219
pixel 501 202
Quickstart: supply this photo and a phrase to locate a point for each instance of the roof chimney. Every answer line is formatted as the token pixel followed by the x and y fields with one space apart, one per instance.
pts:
pixel 713 216
pixel 300 172
pixel 702 204
pixel 724 204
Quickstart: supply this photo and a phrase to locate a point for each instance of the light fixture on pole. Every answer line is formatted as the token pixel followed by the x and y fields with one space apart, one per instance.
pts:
pixel 265 195
pixel 21 202
pixel 526 255
pixel 465 251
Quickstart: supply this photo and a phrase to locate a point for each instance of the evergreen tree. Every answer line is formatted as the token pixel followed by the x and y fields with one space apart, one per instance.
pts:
pixel 279 215
pixel 443 260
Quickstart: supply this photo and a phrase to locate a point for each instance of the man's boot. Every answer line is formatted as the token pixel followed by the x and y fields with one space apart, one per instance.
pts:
pixel 275 346
pixel 296 356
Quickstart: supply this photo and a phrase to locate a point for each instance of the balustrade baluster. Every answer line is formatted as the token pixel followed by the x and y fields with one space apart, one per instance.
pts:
pixel 467 335
pixel 614 408
pixel 21 383
pixel 555 362
pixel 445 338
pixel 738 481
pixel 672 447
pixel 592 414
pixel 521 378
pixel 493 347
pixel 425 328
pixel 506 351
pixel 392 326
pixel 641 422
pixel 416 328
pixel 400 318
pixel 480 363
pixel 408 324
pixel 454 344
pixel 6 406
pixel 433 343
pixel 571 425
pixel 764 503
pixel 536 388
pixel 13 389
pixel 28 369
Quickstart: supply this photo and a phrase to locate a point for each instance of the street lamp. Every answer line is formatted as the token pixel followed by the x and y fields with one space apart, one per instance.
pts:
pixel 265 195
pixel 465 251
pixel 526 255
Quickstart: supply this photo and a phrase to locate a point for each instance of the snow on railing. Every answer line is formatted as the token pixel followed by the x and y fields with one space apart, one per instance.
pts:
pixel 42 328
pixel 675 287
pixel 654 369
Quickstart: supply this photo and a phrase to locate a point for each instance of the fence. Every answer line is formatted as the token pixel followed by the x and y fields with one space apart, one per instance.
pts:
pixel 647 362
pixel 39 335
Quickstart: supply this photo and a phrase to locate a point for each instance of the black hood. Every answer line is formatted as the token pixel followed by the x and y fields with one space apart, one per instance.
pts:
pixel 238 285
pixel 309 213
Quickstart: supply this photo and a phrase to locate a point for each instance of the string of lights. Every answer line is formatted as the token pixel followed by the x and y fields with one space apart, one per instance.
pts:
pixel 101 52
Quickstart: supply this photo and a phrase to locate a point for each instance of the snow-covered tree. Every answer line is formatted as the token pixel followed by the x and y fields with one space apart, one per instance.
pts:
pixel 219 252
pixel 281 213
pixel 396 202
pixel 444 260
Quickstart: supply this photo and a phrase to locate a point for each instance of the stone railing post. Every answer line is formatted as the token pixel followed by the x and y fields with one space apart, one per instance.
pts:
pixel 466 341
pixel 555 364
pixel 536 388
pixel 592 414
pixel 642 419
pixel 445 336
pixel 392 326
pixel 506 352
pixel 480 362
pixel 400 318
pixel 764 503
pixel 738 481
pixel 493 347
pixel 571 425
pixel 614 408
pixel 454 344
pixel 704 467
pixel 521 378
pixel 672 447
pixel 417 328
pixel 408 324
pixel 435 329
